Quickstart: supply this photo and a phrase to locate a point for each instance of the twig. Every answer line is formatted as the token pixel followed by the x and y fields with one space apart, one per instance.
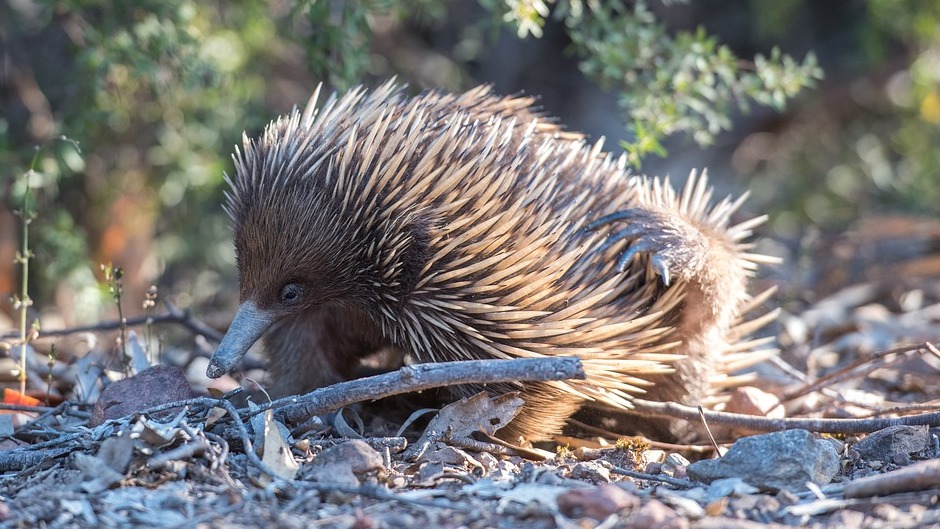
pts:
pixel 421 377
pixel 174 315
pixel 193 448
pixel 23 302
pixel 921 475
pixel 764 424
pixel 223 448
pixel 900 409
pixel 242 432
pixel 114 275
pixel 186 318
pixel 45 444
pixel 684 483
pixel 395 444
pixel 23 460
pixel 23 407
pixel 672 447
pixel 858 368
pixel 708 430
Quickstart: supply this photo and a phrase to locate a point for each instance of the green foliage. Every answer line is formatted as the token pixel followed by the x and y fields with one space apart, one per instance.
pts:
pixel 114 276
pixel 23 301
pixel 868 148
pixel 338 48
pixel 668 84
pixel 914 94
pixel 159 92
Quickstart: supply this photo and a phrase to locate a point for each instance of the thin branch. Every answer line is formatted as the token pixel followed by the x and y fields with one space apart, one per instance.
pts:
pixel 173 315
pixel 858 368
pixel 763 424
pixel 676 482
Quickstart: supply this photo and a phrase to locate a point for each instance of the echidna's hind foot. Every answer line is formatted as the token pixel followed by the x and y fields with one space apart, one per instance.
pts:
pixel 676 247
pixel 689 245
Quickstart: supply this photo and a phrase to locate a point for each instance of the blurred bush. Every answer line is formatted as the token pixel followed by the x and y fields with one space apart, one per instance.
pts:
pixel 158 92
pixel 867 142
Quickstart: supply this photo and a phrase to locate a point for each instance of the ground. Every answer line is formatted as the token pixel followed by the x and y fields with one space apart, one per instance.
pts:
pixel 861 346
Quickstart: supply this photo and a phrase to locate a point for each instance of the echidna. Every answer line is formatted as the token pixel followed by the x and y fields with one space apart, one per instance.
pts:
pixel 469 226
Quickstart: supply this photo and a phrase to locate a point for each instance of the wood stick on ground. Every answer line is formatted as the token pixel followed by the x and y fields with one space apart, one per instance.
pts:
pixel 420 377
pixel 756 423
pixel 681 483
pixel 921 475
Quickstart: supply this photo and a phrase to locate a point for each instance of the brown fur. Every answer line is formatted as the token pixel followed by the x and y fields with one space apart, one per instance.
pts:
pixel 452 227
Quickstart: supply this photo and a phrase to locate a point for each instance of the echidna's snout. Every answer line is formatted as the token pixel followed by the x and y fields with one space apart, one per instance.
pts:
pixel 249 324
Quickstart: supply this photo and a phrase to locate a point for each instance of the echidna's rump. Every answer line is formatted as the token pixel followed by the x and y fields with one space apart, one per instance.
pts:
pixel 467 226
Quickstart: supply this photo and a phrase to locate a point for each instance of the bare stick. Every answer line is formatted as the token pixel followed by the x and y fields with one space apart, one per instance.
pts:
pixel 763 424
pixel 17 461
pixel 682 483
pixel 858 368
pixel 921 475
pixel 701 415
pixel 424 376
pixel 174 315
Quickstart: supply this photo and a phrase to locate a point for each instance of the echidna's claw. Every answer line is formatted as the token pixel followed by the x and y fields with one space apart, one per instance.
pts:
pixel 633 231
pixel 675 247
pixel 624 214
pixel 661 268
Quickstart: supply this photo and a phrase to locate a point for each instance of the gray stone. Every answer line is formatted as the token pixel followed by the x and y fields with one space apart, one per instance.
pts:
pixel 893 444
pixel 346 463
pixel 727 487
pixel 592 471
pixel 775 461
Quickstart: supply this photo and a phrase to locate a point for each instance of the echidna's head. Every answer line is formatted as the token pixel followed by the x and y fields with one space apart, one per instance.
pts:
pixel 297 245
pixel 307 229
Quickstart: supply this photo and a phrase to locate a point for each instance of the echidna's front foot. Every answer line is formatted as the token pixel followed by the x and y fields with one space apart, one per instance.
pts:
pixel 676 247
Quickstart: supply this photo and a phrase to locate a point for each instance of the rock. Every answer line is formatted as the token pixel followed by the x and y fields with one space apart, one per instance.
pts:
pixel 775 461
pixel 592 471
pixel 847 518
pixel 893 444
pixel 596 502
pixel 656 515
pixel 727 487
pixel 345 463
pixel 675 465
pixel 149 388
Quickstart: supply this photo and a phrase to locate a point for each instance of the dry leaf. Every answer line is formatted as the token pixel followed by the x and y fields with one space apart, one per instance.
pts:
pixel 276 454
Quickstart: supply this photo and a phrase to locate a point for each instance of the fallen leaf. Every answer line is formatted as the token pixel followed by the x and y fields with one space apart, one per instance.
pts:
pixel 276 454
pixel 461 419
pixel 139 359
pixel 117 452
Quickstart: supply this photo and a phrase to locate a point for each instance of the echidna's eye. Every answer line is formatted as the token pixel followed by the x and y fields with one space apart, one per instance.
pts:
pixel 291 293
